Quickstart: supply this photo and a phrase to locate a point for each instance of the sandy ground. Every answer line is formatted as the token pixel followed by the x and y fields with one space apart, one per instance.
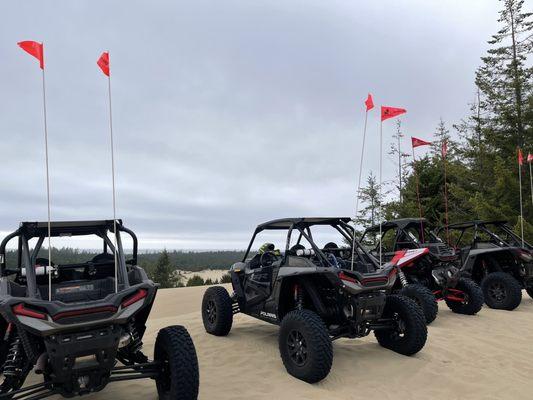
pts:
pixel 204 274
pixel 488 356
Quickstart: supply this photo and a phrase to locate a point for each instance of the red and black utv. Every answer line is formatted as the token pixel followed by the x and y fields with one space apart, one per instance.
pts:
pixel 436 273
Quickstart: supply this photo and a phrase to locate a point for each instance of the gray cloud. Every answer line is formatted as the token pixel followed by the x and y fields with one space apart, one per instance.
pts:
pixel 226 113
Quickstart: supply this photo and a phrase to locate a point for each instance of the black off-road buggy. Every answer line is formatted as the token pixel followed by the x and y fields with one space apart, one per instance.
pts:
pixel 85 329
pixel 430 278
pixel 493 256
pixel 317 293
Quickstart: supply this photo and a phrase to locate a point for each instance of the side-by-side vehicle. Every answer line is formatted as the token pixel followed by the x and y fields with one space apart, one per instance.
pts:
pixel 436 273
pixel 79 323
pixel 306 277
pixel 496 258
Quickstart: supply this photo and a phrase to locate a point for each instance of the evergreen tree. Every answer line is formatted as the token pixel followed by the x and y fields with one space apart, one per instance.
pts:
pixel 505 80
pixel 226 278
pixel 195 280
pixel 163 273
pixel 400 157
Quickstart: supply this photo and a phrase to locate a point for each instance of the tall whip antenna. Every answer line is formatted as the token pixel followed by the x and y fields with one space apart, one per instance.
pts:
pixel 36 50
pixel 104 64
pixel 369 103
pixel 47 192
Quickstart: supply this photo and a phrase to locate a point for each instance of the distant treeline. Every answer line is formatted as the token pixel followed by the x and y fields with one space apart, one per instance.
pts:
pixel 195 261
pixel 184 260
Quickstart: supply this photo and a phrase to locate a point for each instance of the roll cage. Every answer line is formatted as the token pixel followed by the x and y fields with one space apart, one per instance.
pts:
pixel 403 233
pixel 302 227
pixel 27 256
pixel 512 239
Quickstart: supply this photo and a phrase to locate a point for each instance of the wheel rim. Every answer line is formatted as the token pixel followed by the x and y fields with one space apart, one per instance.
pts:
pixel 297 347
pixel 211 311
pixel 401 327
pixel 497 292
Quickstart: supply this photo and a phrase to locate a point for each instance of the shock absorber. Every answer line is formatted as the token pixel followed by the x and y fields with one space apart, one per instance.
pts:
pixel 14 358
pixel 298 297
pixel 402 277
pixel 136 342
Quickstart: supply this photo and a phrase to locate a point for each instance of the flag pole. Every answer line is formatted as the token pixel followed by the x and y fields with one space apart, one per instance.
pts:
pixel 113 173
pixel 418 196
pixel 47 187
pixel 359 187
pixel 520 186
pixel 400 158
pixel 444 156
pixel 531 180
pixel 379 189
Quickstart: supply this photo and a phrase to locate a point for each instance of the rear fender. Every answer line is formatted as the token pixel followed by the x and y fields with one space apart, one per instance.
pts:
pixel 406 258
pixel 482 261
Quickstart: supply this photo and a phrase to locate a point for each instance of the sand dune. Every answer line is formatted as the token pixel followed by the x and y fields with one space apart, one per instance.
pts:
pixel 488 356
pixel 213 274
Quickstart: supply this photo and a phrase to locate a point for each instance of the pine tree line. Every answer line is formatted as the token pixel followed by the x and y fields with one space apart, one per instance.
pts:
pixel 482 166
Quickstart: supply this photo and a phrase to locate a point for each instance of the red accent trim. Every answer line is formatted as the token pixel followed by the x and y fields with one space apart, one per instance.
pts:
pixel 347 278
pixel 397 256
pixel 139 295
pixel 19 309
pixel 376 279
pixel 75 313
pixel 454 298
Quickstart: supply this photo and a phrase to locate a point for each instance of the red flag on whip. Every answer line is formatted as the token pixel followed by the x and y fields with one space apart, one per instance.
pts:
pixel 103 63
pixel 369 102
pixel 415 142
pixel 444 149
pixel 520 163
pixel 36 49
pixel 391 112
pixel 530 158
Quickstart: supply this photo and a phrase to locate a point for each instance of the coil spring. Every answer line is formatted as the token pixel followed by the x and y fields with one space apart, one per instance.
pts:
pixel 402 277
pixel 136 342
pixel 14 358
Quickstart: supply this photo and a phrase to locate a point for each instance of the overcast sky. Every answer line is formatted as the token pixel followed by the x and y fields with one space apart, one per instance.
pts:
pixel 226 113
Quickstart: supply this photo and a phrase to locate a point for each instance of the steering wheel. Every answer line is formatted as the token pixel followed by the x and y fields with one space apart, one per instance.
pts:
pixel 268 258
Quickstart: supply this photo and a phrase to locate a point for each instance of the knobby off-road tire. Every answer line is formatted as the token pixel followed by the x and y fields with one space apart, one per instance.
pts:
pixel 473 298
pixel 424 298
pixel 305 346
pixel 410 334
pixel 217 312
pixel 501 291
pixel 179 377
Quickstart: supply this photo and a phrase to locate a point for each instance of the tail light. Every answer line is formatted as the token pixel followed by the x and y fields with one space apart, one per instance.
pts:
pixel 347 278
pixel 86 311
pixel 19 309
pixel 137 296
pixel 524 255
